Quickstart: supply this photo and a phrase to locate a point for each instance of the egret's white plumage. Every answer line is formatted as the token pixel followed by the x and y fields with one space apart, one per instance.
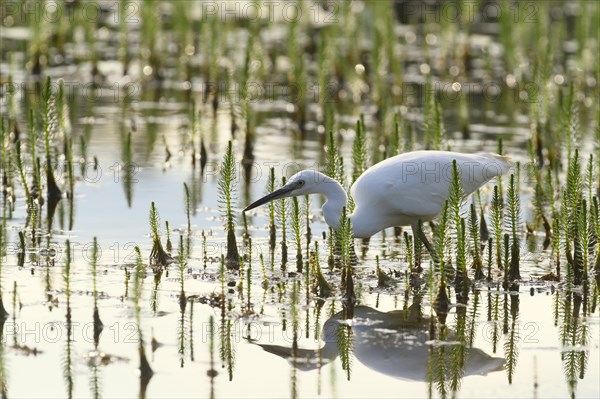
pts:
pixel 398 191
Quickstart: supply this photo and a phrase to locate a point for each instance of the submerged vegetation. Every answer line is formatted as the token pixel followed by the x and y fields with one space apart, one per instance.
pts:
pixel 172 93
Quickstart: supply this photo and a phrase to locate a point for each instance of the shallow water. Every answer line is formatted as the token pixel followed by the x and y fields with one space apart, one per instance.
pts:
pixel 520 342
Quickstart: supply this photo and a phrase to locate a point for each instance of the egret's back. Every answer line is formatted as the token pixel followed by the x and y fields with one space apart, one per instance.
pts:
pixel 402 189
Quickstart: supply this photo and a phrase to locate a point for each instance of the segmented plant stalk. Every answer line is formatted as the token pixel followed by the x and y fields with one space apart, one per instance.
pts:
pixel 456 196
pixel 145 369
pixel 181 261
pixel 496 213
pixel 324 289
pixel 272 229
pixel 596 225
pixel 204 252
pixel 169 242
pixel 33 141
pixel 571 120
pixel 20 168
pixel 429 114
pixel 394 144
pixel 441 237
pixel 188 207
pixel 438 128
pixel 307 223
pixel 581 244
pixel 282 210
pixel 227 192
pixel 569 204
pixel 297 231
pixel 158 256
pixel 408 239
pixel 265 282
pixel 359 151
pixel 461 280
pixel 475 242
pixel 50 122
pixel 499 178
pixel 513 222
pixel 590 179
pixel 3 312
pixel 539 197
pixel 70 167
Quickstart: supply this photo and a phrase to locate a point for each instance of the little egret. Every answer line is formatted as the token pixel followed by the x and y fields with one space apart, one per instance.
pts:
pixel 403 190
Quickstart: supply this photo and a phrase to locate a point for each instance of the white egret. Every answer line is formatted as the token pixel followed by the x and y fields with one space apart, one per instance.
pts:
pixel 400 191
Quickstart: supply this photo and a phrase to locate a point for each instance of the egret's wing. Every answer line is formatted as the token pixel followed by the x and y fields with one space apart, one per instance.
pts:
pixel 417 183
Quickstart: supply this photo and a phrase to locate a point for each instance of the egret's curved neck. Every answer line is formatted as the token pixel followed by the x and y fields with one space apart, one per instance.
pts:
pixel 336 201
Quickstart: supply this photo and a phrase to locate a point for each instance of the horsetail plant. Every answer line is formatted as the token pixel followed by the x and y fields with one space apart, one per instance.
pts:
pixel 297 230
pixel 428 114
pixel 513 222
pixel 158 256
pixel 3 312
pixel 475 242
pixel 496 216
pixel 272 229
pixel 169 242
pixel 282 211
pixel 188 207
pixel 570 116
pixel 98 326
pixel 359 151
pixel 249 278
pixel 33 141
pixel 499 178
pixel 408 243
pixel 323 288
pixel 227 192
pixel 20 168
pixel 569 204
pixel 456 196
pixel 395 146
pixel 145 369
pixel 461 281
pixel 49 110
pixel 306 211
pixel 265 280
pixel 68 372
pixel 181 263
pixel 442 238
pixel 181 336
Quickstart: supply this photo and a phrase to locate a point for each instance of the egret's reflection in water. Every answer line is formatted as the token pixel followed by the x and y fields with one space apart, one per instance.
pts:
pixel 395 343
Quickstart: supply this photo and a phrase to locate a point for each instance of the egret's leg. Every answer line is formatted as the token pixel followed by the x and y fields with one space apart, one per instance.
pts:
pixel 418 230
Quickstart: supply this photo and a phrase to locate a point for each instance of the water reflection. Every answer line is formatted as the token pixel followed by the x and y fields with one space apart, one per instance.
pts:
pixel 396 343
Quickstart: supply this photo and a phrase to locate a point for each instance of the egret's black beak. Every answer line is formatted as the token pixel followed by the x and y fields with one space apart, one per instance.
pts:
pixel 270 197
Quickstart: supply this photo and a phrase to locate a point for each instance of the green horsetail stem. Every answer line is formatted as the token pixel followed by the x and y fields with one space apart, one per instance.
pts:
pixel 475 242
pixel 188 207
pixel 496 214
pixel 324 289
pixel 513 222
pixel 158 256
pixel 282 211
pixel 297 230
pixel 145 369
pixel 441 237
pixel 227 193
pixel 272 228
pixel 359 151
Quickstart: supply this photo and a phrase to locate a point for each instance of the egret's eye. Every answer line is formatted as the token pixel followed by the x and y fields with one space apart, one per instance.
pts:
pixel 300 183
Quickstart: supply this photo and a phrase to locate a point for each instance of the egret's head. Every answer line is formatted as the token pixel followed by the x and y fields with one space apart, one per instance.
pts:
pixel 304 182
